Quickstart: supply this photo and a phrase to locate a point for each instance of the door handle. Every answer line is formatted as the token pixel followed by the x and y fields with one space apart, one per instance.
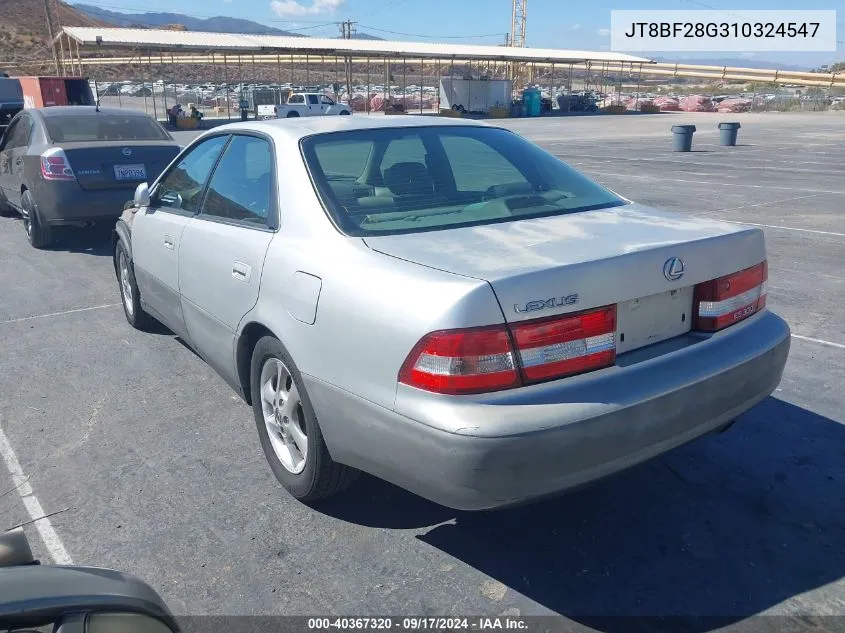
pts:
pixel 18 161
pixel 168 242
pixel 241 271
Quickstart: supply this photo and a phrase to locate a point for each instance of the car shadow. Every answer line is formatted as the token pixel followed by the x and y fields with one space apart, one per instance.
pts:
pixel 714 532
pixel 374 502
pixel 94 240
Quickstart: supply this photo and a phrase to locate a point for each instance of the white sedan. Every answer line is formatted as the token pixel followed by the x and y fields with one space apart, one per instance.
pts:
pixel 445 305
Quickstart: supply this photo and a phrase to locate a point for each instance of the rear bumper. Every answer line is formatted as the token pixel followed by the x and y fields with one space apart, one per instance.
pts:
pixel 475 453
pixel 66 203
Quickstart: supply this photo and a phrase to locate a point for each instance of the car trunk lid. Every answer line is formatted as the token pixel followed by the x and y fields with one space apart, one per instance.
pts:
pixel 118 165
pixel 644 261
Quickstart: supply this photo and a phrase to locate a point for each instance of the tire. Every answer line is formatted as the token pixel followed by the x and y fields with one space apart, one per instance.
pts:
pixel 129 295
pixel 316 476
pixel 345 113
pixel 292 115
pixel 38 234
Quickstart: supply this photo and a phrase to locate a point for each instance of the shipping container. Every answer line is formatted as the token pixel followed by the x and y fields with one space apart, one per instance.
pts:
pixel 44 92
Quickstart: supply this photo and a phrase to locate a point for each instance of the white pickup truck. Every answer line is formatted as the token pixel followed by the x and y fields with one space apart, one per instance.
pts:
pixel 307 104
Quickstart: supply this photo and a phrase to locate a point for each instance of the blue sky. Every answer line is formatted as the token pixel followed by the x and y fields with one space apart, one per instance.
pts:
pixel 551 23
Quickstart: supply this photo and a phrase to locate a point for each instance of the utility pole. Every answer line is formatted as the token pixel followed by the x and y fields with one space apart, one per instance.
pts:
pixel 51 33
pixel 347 28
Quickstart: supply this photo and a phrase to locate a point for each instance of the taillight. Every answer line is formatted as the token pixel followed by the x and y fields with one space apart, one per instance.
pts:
pixel 462 361
pixel 55 166
pixel 562 346
pixel 730 299
pixel 477 360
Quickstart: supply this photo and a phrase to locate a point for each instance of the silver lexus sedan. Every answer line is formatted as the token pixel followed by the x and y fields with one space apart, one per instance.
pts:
pixel 446 306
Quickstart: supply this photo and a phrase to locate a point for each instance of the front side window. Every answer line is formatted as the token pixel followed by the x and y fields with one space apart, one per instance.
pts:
pixel 409 180
pixel 242 185
pixel 326 101
pixel 183 185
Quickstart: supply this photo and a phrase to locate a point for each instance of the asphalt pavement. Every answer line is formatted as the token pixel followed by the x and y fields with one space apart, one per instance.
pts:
pixel 160 468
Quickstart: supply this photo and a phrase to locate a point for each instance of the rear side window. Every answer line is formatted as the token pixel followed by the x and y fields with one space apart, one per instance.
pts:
pixel 182 186
pixel 18 134
pixel 103 127
pixel 408 180
pixel 296 99
pixel 241 187
pixel 312 99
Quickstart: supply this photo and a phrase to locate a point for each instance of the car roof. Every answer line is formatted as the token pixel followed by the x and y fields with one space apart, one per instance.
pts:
pixel 59 111
pixel 300 127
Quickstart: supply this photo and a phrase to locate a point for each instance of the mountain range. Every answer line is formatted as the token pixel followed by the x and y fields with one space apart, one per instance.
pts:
pixel 219 24
pixel 740 62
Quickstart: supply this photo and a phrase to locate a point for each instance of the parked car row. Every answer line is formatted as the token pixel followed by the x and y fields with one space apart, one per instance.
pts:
pixel 439 303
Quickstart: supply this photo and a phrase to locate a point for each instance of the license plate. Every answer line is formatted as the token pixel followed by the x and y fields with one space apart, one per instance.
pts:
pixel 130 172
pixel 652 319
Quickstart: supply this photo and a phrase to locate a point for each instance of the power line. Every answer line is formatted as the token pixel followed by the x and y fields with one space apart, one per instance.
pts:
pixel 315 26
pixel 437 37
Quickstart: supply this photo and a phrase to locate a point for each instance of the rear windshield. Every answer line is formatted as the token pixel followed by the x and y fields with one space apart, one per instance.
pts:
pixel 103 127
pixel 408 180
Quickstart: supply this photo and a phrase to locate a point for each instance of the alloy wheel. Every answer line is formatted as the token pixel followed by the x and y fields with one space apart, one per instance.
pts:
pixel 283 415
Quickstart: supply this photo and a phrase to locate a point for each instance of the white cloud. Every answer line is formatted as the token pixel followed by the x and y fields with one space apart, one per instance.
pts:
pixel 576 28
pixel 292 7
pixel 603 32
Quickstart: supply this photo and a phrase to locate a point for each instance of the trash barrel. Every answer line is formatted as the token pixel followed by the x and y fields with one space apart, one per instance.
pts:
pixel 682 138
pixel 727 134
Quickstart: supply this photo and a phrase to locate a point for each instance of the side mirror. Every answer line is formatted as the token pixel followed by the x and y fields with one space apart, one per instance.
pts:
pixel 80 600
pixel 109 622
pixel 142 196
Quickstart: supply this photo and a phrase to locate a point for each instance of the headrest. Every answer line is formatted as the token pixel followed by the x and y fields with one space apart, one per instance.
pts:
pixel 408 179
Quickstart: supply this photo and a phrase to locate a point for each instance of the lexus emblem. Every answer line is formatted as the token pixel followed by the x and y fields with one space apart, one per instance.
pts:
pixel 673 269
pixel 126 151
